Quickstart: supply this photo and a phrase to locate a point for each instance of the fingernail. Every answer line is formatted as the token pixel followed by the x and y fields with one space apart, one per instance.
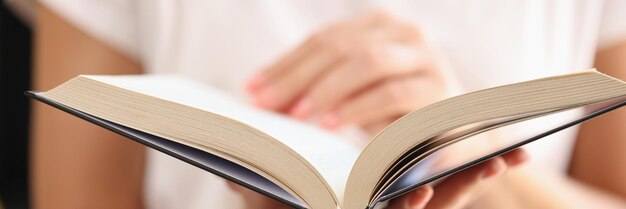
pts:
pixel 266 98
pixel 329 121
pixel 494 169
pixel 256 82
pixel 419 198
pixel 302 109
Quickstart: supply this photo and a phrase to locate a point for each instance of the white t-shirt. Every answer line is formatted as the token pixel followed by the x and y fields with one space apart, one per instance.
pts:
pixel 222 42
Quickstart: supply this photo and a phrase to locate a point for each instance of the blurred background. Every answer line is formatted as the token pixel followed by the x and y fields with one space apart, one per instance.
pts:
pixel 15 68
pixel 530 36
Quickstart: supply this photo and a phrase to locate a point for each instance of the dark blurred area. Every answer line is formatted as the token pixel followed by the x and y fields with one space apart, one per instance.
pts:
pixel 15 69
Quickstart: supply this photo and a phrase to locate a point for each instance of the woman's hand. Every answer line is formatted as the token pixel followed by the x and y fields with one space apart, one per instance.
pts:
pixel 456 191
pixel 367 71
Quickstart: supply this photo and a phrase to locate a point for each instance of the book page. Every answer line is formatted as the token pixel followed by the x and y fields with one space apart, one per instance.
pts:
pixel 331 156
pixel 480 147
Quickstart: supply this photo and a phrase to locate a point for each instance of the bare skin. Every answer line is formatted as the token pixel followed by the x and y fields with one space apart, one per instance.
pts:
pixel 375 47
pixel 79 165
pixel 456 191
pixel 372 63
pixel 602 139
pixel 595 178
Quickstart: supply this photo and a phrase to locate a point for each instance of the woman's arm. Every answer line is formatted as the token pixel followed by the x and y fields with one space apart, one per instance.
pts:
pixel 76 164
pixel 597 169
pixel 600 154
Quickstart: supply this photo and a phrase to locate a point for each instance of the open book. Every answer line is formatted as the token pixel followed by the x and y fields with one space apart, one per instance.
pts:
pixel 306 167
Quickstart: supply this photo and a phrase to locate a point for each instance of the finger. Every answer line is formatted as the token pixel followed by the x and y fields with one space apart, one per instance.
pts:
pixel 389 99
pixel 406 33
pixel 375 127
pixel 459 189
pixel 417 199
pixel 358 73
pixel 374 22
pixel 516 157
pixel 304 108
pixel 281 89
pixel 292 75
pixel 481 171
pixel 233 186
pixel 257 81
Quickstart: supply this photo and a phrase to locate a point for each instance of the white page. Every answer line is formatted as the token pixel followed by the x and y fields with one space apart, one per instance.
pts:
pixel 332 156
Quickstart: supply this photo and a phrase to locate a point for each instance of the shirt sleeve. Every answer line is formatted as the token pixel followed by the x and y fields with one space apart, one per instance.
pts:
pixel 613 23
pixel 113 22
